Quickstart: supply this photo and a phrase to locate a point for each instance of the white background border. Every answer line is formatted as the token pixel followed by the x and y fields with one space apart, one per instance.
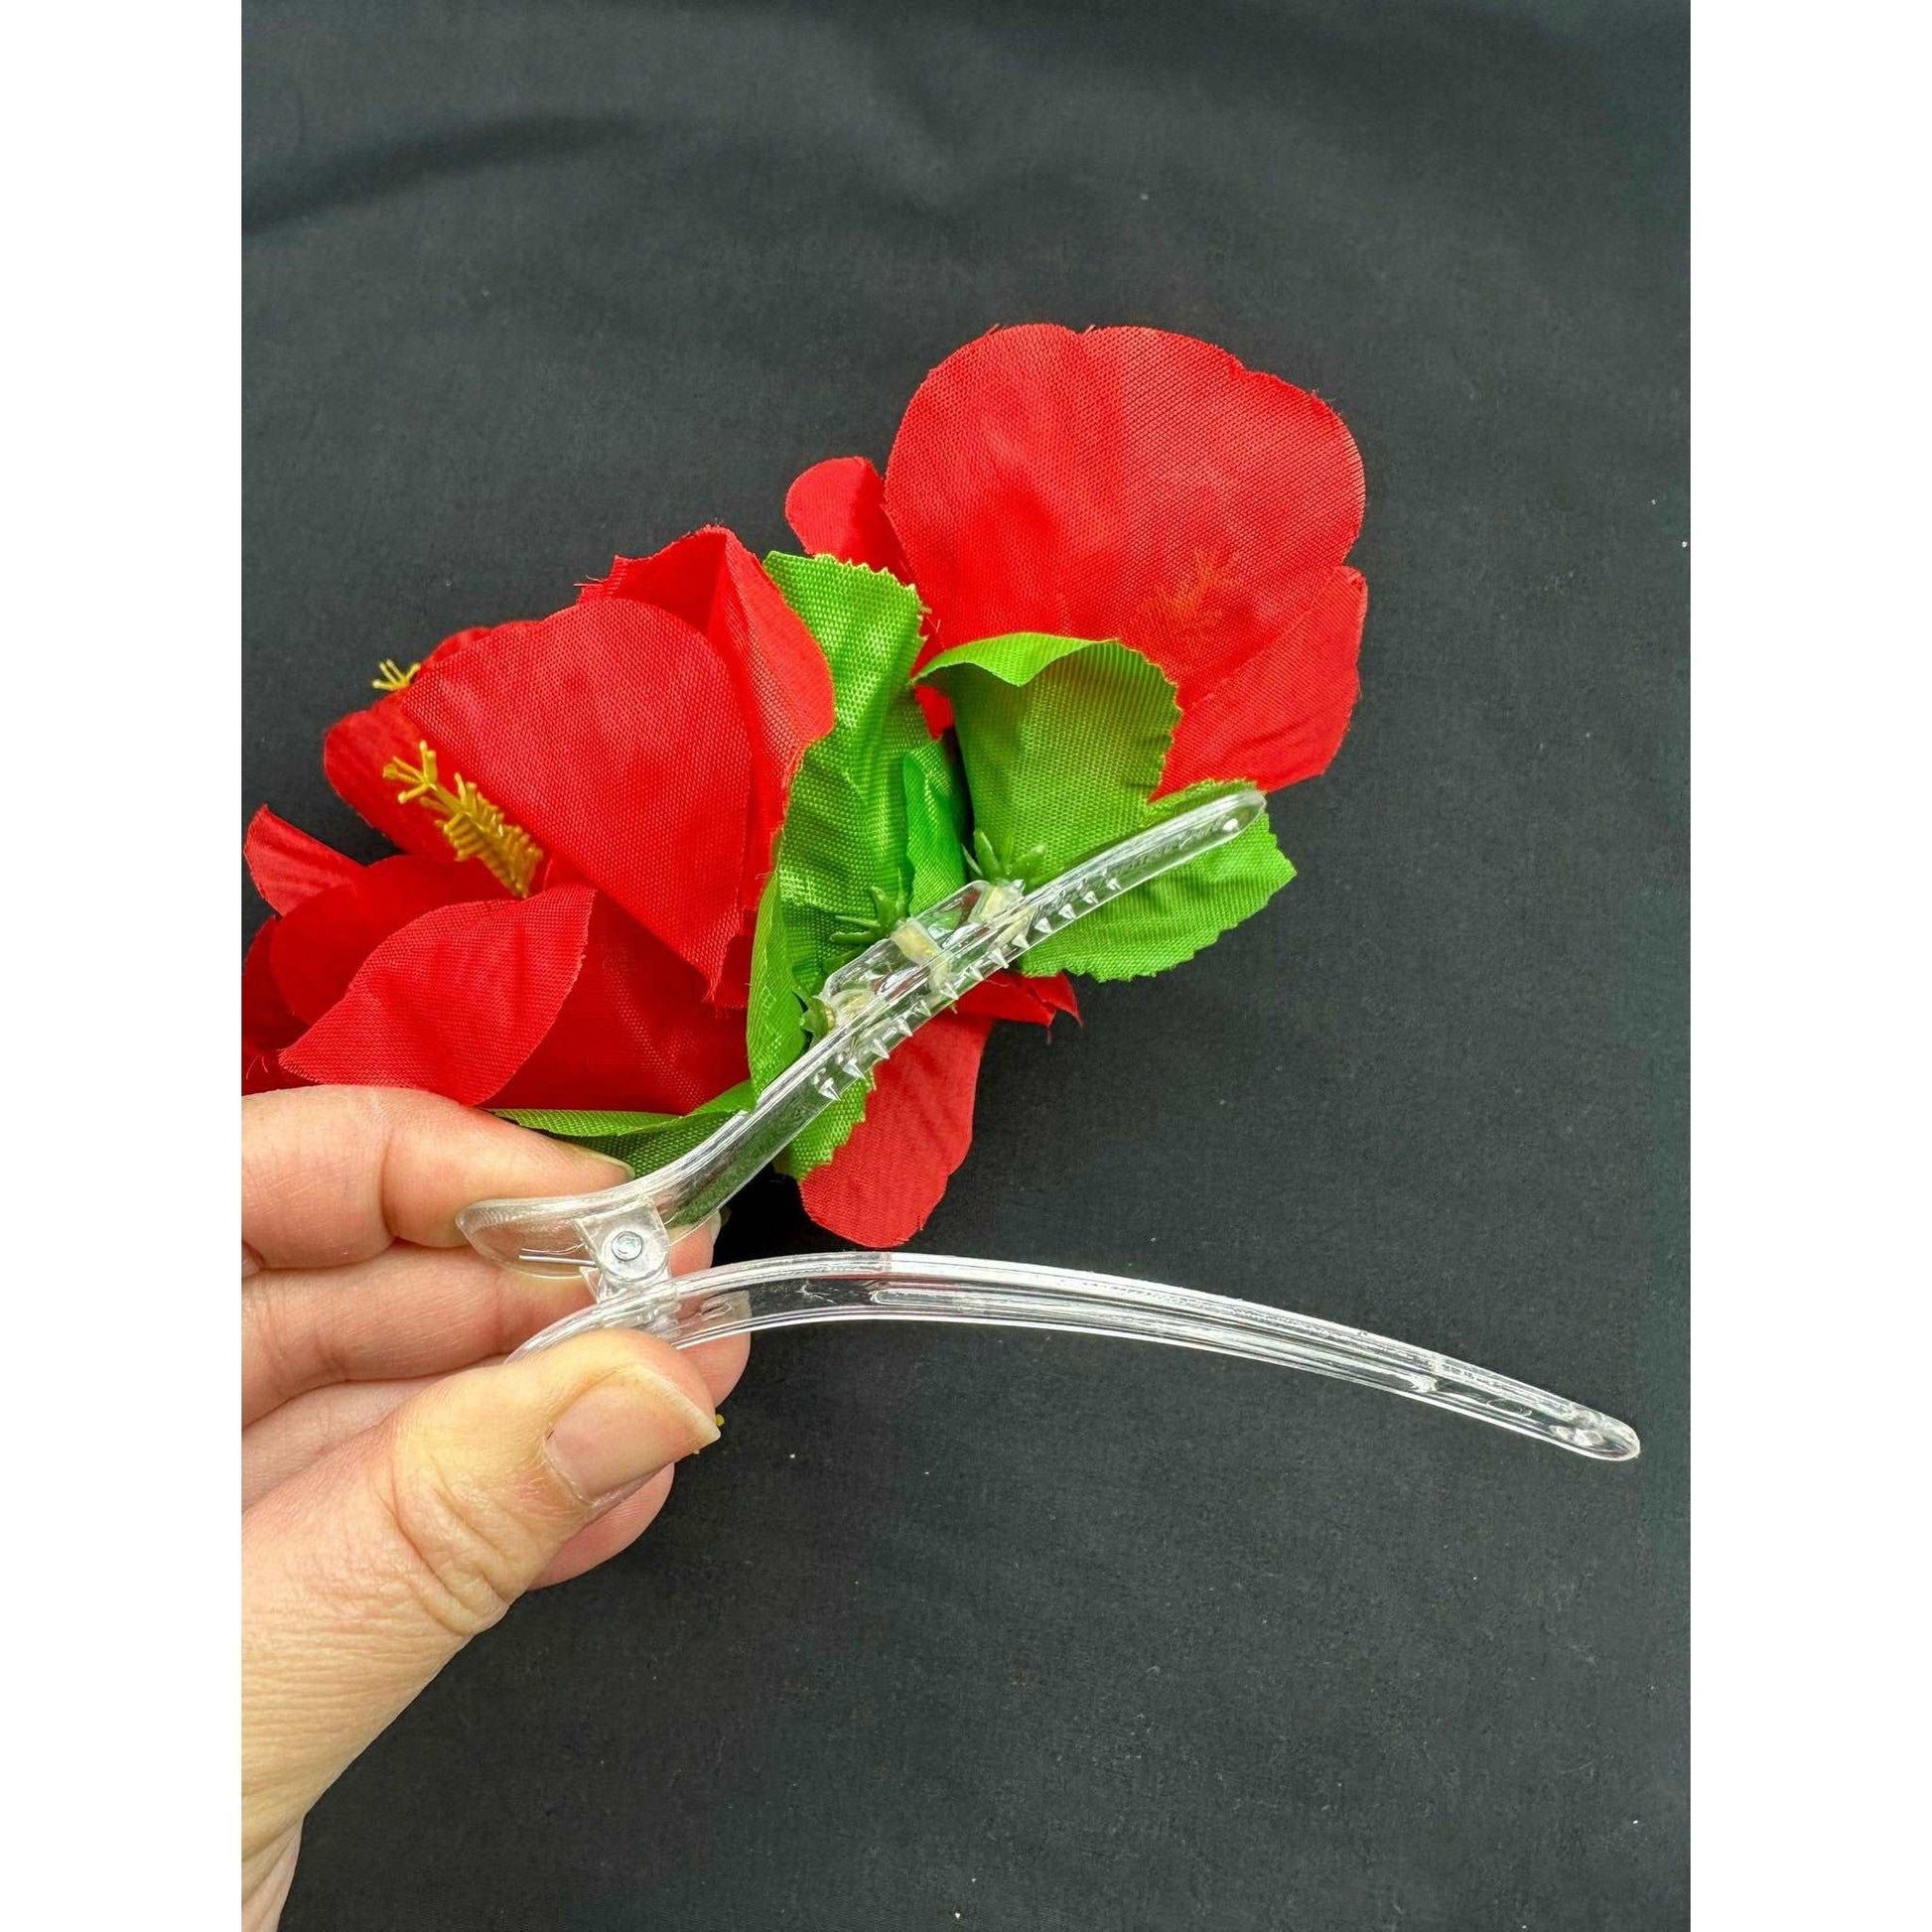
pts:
pixel 1810 965
pixel 118 154
pixel 1812 733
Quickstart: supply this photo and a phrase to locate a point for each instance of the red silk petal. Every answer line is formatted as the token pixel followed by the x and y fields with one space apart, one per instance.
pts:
pixel 358 746
pixel 634 1033
pixel 881 1185
pixel 267 1025
pixel 1279 717
pixel 837 508
pixel 353 754
pixel 453 646
pixel 287 865
pixel 456 1002
pixel 611 734
pixel 321 945
pixel 1130 483
pixel 777 669
pixel 1012 995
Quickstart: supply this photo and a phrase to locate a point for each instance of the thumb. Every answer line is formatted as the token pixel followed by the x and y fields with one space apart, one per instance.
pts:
pixel 364 1575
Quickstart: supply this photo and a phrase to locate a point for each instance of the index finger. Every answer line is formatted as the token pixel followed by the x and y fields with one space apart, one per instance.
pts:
pixel 334 1175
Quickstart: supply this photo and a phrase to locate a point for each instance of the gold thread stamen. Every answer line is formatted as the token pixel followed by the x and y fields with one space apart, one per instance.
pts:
pixel 390 676
pixel 474 828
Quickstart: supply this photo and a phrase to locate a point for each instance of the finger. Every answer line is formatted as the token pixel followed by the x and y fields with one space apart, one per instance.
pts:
pixel 363 1577
pixel 331 1174
pixel 265 1881
pixel 298 1434
pixel 410 1312
pixel 614 1531
pixel 720 1363
pixel 406 1312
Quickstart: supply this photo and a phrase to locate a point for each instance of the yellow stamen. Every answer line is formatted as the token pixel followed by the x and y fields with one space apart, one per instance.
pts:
pixel 474 828
pixel 390 676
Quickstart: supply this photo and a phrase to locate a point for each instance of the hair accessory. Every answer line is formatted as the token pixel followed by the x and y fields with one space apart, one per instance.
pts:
pixel 728 862
pixel 621 1239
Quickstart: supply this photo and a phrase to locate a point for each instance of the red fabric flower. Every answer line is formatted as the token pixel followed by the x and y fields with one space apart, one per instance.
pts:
pixel 1120 484
pixel 642 741
pixel 586 805
pixel 1129 483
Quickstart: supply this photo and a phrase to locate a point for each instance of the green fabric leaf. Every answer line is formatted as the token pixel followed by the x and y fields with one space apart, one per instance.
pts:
pixel 1171 919
pixel 872 831
pixel 774 1017
pixel 935 824
pixel 641 1141
pixel 1064 741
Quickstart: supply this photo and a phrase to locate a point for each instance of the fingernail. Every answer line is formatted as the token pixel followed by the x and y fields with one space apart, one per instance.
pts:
pixel 624 1430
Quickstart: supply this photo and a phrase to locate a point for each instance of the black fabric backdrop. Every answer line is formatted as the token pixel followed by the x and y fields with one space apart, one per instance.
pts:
pixel 991 1630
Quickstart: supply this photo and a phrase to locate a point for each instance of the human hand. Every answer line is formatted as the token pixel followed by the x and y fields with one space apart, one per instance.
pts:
pixel 401 1484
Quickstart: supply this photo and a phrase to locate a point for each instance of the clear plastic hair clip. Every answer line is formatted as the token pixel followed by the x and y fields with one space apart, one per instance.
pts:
pixel 620 1240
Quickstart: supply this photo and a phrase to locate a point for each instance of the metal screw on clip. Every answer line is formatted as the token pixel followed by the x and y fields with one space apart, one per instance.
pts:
pixel 628 1260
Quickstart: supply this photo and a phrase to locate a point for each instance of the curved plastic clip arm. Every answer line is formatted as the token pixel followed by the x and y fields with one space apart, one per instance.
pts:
pixel 621 1239
pixel 899 1287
